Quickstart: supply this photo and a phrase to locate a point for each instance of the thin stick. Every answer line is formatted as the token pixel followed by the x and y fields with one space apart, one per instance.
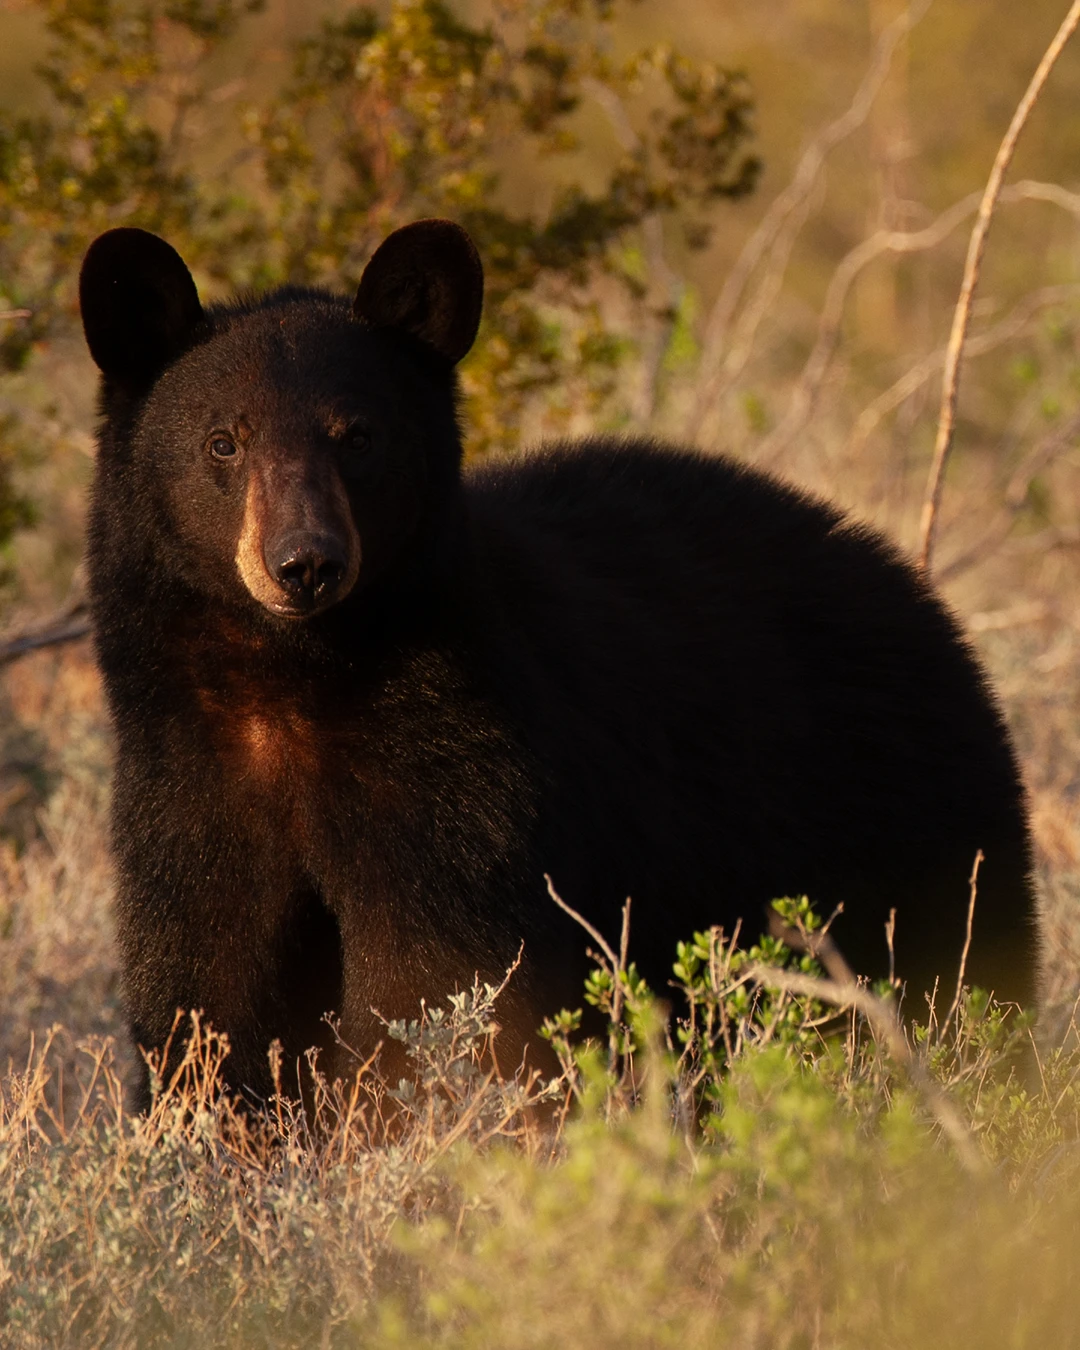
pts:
pixel 596 936
pixel 624 947
pixel 832 313
pixel 67 631
pixel 890 942
pixel 973 884
pixel 1058 442
pixel 886 1026
pixel 70 621
pixel 913 380
pixel 962 316
pixel 847 273
pixel 788 202
pixel 618 967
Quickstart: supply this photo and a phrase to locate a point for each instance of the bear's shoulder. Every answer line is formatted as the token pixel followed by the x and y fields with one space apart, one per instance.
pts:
pixel 600 475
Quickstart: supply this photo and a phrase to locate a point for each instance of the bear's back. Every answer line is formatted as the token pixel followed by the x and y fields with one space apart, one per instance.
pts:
pixel 740 694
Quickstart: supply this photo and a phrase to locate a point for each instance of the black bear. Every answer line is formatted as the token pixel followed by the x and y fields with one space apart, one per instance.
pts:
pixel 365 699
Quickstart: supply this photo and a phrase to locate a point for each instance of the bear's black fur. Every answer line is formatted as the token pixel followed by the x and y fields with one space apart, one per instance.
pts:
pixel 364 700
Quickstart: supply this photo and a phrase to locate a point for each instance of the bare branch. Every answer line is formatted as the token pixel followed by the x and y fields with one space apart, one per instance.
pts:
pixel 1045 452
pixel 1030 189
pixel 745 331
pixel 771 233
pixel 594 933
pixel 913 380
pixel 860 257
pixel 976 248
pixel 973 883
pixel 69 631
pixel 16 313
pixel 618 992
pixel 891 241
pixel 70 621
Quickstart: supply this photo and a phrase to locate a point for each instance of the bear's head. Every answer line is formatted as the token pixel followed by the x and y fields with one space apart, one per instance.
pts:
pixel 286 451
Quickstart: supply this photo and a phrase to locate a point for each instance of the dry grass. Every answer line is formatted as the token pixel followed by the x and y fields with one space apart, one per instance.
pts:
pixel 813 1205
pixel 57 960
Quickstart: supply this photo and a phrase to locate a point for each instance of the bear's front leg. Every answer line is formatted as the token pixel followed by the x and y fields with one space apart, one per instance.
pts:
pixel 258 957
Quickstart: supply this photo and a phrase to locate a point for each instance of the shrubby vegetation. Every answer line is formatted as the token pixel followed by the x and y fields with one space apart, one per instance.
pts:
pixel 772 1178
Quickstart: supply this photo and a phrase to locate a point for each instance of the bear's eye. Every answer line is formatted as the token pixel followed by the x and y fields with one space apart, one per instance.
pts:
pixel 221 446
pixel 357 438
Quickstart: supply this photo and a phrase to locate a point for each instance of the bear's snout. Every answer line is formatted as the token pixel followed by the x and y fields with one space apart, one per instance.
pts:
pixel 309 568
pixel 299 550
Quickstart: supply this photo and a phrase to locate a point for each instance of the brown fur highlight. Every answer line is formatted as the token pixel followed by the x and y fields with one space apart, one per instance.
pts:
pixel 249 557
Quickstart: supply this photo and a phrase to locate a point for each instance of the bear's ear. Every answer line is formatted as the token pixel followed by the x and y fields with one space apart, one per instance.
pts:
pixel 425 279
pixel 139 304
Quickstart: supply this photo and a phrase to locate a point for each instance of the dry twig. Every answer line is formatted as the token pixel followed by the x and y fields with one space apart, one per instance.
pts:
pixel 973 883
pixel 70 621
pixel 848 270
pixel 50 634
pixel 775 234
pixel 912 380
pixel 976 248
pixel 594 933
pixel 844 277
pixel 617 964
pixel 843 990
pixel 1016 494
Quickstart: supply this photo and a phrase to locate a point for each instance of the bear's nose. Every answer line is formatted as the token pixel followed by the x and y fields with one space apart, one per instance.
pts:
pixel 309 570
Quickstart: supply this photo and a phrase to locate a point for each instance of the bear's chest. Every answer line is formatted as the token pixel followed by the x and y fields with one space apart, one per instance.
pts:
pixel 365 785
pixel 270 748
pixel 300 767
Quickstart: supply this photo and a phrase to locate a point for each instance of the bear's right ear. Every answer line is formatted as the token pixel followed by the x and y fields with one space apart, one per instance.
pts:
pixel 139 305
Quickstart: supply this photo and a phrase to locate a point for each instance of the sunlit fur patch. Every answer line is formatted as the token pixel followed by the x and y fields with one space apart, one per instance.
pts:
pixel 259 739
pixel 249 554
pixel 277 748
pixel 263 745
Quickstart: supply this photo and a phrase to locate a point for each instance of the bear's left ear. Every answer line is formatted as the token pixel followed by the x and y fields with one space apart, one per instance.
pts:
pixel 139 305
pixel 425 279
